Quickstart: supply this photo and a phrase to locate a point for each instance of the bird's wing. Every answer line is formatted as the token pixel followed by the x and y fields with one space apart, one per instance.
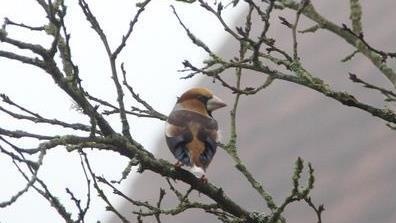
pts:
pixel 178 136
pixel 208 135
pixel 177 145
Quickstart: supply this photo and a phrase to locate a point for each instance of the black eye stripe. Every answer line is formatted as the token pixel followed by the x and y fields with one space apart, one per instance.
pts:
pixel 204 99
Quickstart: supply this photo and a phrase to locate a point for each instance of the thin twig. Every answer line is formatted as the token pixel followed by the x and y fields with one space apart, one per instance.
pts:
pixel 360 36
pixel 132 23
pixel 390 95
pixel 150 112
pixel 303 4
pixel 193 38
pixel 40 119
pixel 100 192
pixel 8 21
pixel 30 181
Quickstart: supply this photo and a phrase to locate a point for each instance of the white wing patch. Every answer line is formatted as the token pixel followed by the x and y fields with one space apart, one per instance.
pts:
pixel 169 130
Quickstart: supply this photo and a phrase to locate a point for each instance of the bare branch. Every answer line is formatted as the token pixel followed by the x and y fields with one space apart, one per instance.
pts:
pixel 21 134
pixel 8 21
pixel 132 23
pixel 101 194
pixel 100 101
pixel 390 95
pixel 350 37
pixel 112 58
pixel 15 157
pixel 193 38
pixel 206 6
pixel 356 16
pixel 53 200
pixel 76 126
pixel 13 56
pixel 35 48
pixel 150 112
pixel 360 36
pixel 261 54
pixel 30 181
pixel 298 192
pixel 307 80
pixel 302 5
pixel 94 24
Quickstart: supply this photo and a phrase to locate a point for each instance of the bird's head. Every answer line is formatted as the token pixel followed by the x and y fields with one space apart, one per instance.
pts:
pixel 200 100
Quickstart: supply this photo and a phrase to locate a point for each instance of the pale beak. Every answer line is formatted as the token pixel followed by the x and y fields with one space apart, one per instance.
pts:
pixel 215 103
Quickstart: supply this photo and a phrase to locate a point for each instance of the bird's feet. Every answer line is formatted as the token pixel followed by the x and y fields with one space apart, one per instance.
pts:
pixel 178 165
pixel 204 179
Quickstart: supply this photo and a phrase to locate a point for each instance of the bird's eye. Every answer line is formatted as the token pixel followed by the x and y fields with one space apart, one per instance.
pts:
pixel 204 99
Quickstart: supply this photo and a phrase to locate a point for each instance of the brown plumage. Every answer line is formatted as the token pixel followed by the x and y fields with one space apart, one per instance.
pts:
pixel 191 131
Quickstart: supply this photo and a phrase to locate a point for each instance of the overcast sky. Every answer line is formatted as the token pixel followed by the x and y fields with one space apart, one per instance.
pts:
pixel 152 57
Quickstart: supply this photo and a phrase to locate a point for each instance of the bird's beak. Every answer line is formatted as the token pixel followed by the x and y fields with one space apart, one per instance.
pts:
pixel 215 103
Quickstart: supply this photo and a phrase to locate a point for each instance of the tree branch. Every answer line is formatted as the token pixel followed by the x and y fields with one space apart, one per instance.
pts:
pixel 375 58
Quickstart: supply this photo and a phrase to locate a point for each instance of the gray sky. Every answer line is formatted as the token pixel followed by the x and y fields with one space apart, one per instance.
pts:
pixel 152 57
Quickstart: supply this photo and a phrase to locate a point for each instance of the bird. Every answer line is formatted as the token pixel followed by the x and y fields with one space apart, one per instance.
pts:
pixel 191 132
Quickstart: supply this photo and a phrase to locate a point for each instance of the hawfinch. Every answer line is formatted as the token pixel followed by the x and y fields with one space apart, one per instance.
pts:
pixel 191 131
